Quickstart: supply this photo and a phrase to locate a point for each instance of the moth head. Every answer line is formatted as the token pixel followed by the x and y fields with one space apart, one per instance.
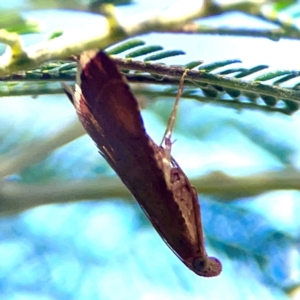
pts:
pixel 207 266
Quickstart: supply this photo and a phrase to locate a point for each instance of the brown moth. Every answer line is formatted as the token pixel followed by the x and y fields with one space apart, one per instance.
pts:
pixel 110 114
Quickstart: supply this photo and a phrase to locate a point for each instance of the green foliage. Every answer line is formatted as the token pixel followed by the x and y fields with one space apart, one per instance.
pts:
pixel 164 54
pixel 12 21
pixel 55 34
pixel 128 45
pixel 143 50
pixel 213 66
pixel 281 5
pixel 216 85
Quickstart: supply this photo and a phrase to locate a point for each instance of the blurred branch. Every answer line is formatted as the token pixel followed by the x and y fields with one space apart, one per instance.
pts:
pixel 231 187
pixel 13 40
pixel 272 34
pixel 22 157
pixel 60 47
pixel 265 10
pixel 269 13
pixel 16 197
pixel 261 9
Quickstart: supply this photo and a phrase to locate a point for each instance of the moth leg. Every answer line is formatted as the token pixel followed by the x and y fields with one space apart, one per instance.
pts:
pixel 167 161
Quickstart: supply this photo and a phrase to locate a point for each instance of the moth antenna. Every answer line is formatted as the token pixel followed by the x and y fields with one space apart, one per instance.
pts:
pixel 172 118
pixel 69 91
pixel 168 133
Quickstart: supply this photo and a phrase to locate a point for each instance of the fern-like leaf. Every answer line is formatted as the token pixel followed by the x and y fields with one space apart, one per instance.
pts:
pixel 251 71
pixel 128 45
pixel 223 87
pixel 219 64
pixel 143 51
pixel 164 54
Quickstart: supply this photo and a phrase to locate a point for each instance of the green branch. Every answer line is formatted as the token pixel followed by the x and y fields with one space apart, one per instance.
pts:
pixel 203 77
pixel 272 34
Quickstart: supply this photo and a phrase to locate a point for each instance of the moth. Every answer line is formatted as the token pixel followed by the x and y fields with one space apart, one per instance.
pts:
pixel 110 114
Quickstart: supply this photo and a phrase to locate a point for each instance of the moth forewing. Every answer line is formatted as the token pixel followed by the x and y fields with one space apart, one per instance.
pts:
pixel 110 114
pixel 186 197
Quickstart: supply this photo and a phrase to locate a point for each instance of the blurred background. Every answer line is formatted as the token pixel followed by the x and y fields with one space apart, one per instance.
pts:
pixel 104 247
